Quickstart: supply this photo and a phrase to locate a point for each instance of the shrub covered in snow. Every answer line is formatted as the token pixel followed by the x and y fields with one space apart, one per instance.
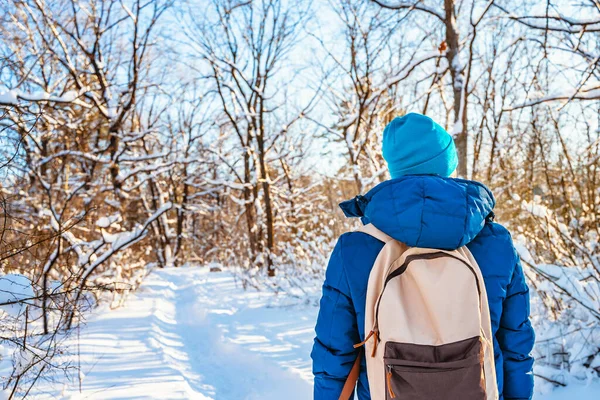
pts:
pixel 562 263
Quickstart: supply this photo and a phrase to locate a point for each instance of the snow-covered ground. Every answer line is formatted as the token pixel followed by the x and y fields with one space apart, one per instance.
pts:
pixel 192 334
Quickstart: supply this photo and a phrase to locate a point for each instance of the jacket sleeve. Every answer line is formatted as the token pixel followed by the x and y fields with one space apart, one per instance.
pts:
pixel 516 338
pixel 336 332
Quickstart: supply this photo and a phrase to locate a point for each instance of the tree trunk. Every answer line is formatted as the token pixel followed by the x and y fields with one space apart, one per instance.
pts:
pixel 456 69
pixel 266 186
pixel 248 206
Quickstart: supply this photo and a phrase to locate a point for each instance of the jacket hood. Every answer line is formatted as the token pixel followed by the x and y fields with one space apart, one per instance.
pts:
pixel 425 210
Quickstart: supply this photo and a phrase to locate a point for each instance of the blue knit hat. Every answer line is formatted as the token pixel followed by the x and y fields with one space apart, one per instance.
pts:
pixel 414 144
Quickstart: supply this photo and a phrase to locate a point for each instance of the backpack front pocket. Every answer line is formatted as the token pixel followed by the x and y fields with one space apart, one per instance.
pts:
pixel 447 372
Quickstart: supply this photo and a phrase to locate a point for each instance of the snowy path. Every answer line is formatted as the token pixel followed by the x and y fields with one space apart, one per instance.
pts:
pixel 191 334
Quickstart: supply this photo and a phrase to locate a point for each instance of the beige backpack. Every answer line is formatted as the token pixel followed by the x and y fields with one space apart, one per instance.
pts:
pixel 429 326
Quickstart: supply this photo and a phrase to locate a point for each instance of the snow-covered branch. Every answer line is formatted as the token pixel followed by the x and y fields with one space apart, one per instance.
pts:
pixel 125 239
pixel 12 97
pixel 591 92
pixel 409 5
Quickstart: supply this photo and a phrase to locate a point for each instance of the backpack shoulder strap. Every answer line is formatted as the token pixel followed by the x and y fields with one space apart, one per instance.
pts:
pixel 371 230
pixel 350 383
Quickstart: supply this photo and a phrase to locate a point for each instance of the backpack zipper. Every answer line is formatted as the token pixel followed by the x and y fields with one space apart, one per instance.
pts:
pixel 388 376
pixel 375 334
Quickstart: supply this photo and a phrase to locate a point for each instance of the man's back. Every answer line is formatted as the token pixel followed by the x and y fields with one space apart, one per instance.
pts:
pixel 424 211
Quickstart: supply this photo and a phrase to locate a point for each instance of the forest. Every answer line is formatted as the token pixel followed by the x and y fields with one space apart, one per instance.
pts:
pixel 144 135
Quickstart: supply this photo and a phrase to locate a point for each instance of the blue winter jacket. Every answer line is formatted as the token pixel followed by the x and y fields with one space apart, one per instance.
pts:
pixel 433 212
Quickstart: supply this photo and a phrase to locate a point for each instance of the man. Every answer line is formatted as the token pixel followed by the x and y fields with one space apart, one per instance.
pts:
pixel 422 207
